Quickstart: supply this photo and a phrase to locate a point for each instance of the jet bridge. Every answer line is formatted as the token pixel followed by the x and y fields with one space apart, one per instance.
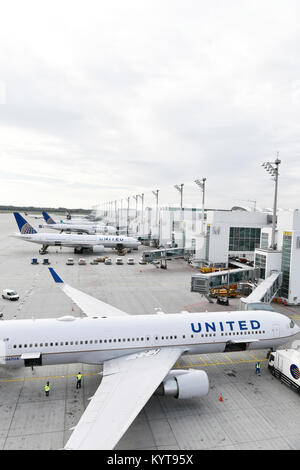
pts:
pixel 264 293
pixel 162 255
pixel 202 283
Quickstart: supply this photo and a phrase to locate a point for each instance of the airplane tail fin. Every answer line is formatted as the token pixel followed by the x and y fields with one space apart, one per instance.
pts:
pixel 23 225
pixel 47 218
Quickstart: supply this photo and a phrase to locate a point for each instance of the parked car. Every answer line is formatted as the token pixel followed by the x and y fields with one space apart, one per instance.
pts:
pixel 9 294
pixel 119 260
pixel 130 261
pixel 107 261
pixel 82 261
pixel 70 261
pixel 142 261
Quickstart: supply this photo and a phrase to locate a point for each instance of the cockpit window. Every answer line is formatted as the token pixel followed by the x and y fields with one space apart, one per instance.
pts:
pixel 292 324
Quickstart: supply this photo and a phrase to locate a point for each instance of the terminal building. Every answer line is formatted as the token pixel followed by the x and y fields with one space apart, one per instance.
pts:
pixel 286 258
pixel 217 237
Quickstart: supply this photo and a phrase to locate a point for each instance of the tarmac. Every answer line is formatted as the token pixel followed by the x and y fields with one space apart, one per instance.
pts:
pixel 254 413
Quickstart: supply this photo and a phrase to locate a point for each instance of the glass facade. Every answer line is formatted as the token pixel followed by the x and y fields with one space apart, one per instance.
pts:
pixel 285 263
pixel 264 240
pixel 260 262
pixel 244 238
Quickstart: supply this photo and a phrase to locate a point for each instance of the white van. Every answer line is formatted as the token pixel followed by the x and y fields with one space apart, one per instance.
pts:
pixel 130 261
pixel 9 294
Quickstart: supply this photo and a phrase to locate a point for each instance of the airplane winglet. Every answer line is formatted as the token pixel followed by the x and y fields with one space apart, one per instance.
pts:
pixel 55 276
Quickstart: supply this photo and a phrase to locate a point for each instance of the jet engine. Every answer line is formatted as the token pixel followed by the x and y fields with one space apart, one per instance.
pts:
pixel 98 249
pixel 183 384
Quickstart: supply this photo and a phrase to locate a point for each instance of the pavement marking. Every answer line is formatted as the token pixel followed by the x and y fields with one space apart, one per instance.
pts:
pixel 227 357
pixel 253 357
pixel 21 379
pixel 221 363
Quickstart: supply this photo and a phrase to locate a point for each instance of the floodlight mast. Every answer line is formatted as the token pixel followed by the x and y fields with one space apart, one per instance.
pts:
pixel 273 170
pixel 201 184
pixel 155 193
pixel 180 189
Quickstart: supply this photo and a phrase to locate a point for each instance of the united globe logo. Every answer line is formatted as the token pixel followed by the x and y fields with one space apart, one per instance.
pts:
pixel 295 371
pixel 27 229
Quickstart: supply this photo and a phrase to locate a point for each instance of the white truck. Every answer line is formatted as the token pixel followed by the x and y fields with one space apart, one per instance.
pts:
pixel 285 364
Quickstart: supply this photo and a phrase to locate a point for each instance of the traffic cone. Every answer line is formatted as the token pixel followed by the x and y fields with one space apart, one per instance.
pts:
pixel 221 398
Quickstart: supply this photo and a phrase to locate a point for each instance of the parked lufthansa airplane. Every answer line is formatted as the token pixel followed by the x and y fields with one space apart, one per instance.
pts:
pixel 96 243
pixel 137 353
pixel 88 228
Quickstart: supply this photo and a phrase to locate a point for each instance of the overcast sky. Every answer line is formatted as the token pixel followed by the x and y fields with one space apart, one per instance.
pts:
pixel 104 100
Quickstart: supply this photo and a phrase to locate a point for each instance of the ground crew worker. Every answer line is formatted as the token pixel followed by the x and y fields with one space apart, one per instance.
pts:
pixel 47 389
pixel 257 366
pixel 79 376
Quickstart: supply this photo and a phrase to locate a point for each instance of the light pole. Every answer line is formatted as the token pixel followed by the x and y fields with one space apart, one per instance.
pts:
pixel 180 189
pixel 128 202
pixel 272 168
pixel 156 196
pixel 201 184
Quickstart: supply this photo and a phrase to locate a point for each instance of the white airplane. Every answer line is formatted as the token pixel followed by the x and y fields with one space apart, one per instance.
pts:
pixel 71 221
pixel 137 353
pixel 88 228
pixel 96 243
pixel 33 216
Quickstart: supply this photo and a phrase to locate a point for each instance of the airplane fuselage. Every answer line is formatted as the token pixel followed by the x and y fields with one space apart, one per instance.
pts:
pixel 95 340
pixel 74 240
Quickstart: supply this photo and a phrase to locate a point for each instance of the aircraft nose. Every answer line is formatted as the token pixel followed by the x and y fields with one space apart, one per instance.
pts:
pixel 296 329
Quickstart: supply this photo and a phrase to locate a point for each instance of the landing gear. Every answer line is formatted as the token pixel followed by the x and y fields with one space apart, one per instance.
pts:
pixel 43 250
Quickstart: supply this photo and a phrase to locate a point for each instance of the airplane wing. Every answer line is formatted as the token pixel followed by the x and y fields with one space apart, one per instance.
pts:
pixel 90 306
pixel 128 383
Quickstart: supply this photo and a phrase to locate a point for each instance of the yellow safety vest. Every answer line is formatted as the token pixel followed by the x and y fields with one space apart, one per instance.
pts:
pixel 47 388
pixel 79 376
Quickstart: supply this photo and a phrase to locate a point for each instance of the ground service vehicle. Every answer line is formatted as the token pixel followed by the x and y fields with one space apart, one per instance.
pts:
pixel 285 364
pixel 9 294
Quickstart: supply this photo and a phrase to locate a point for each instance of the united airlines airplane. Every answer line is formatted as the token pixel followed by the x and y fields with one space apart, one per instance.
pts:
pixel 137 353
pixel 96 243
pixel 88 228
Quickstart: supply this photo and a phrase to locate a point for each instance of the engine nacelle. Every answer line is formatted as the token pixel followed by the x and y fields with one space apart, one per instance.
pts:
pixel 183 384
pixel 98 249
